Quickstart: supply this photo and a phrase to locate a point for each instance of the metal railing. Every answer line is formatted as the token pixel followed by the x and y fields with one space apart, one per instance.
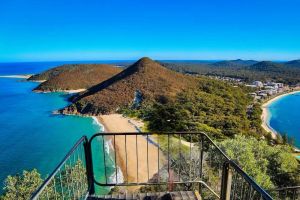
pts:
pixel 149 162
pixel 238 185
pixel 165 160
pixel 69 179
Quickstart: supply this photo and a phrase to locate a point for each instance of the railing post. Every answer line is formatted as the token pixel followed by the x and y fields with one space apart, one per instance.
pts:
pixel 226 182
pixel 89 166
pixel 201 146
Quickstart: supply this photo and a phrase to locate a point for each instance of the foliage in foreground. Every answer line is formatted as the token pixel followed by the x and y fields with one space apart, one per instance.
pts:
pixel 21 186
pixel 270 166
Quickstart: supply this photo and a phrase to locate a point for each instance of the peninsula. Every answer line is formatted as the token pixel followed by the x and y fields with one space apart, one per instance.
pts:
pixel 73 77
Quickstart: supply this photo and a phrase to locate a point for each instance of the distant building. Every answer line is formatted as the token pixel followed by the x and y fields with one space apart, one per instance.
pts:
pixel 252 86
pixel 257 97
pixel 263 95
pixel 269 87
pixel 275 85
pixel 258 84
pixel 280 85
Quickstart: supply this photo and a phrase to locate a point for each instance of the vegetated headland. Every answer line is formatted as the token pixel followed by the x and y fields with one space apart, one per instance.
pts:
pixel 223 99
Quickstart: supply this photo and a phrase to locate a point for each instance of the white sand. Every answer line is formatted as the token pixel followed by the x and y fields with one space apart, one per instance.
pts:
pixel 25 76
pixel 66 91
pixel 116 123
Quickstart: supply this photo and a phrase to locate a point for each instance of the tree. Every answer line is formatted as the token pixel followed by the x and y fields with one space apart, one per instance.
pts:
pixel 21 186
pixel 270 166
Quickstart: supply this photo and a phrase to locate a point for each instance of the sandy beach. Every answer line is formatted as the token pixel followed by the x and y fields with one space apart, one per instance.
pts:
pixel 17 76
pixel 66 91
pixel 117 123
pixel 265 113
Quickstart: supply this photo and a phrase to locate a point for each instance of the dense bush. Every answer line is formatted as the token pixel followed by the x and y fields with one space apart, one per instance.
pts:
pixel 21 186
pixel 288 72
pixel 270 166
pixel 215 107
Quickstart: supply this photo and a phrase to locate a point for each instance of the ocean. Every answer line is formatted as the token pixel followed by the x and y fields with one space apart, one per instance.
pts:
pixel 285 116
pixel 30 135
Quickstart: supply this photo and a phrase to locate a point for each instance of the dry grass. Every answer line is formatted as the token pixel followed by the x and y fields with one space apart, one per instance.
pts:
pixel 147 76
pixel 72 77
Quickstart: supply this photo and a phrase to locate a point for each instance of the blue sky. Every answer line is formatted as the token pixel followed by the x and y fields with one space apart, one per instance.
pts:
pixel 42 30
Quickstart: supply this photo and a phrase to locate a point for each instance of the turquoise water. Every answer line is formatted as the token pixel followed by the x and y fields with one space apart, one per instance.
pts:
pixel 285 116
pixel 30 136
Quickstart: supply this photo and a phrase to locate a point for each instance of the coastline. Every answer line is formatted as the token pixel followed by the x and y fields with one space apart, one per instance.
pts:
pixel 266 113
pixel 65 91
pixel 140 162
pixel 21 76
pixel 116 123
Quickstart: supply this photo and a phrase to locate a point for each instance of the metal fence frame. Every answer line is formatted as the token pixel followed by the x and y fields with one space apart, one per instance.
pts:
pixel 228 168
pixel 287 193
pixel 82 141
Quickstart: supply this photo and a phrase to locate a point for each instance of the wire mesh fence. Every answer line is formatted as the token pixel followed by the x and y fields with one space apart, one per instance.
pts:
pixel 286 193
pixel 237 185
pixel 69 180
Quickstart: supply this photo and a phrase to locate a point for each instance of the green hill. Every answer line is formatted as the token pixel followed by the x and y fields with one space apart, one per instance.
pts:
pixel 75 76
pixel 293 63
pixel 145 76
pixel 248 70
pixel 234 63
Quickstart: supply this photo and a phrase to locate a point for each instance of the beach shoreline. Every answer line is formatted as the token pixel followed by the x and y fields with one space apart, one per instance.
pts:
pixel 135 151
pixel 65 91
pixel 266 113
pixel 21 76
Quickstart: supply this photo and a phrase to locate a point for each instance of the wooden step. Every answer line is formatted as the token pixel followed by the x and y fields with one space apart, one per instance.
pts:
pixel 180 195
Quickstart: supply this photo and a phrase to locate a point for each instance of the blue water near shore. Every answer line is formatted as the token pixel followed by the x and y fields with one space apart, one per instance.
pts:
pixel 30 135
pixel 285 116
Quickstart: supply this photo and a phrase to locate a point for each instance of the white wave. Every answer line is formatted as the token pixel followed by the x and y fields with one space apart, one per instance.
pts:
pixel 108 146
pixel 119 174
pixel 96 122
pixel 109 150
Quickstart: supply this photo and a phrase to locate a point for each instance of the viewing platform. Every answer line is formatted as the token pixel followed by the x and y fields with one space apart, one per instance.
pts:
pixel 165 166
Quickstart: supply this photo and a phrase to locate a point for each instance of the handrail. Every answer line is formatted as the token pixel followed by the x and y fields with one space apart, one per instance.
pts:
pixel 147 134
pixel 290 192
pixel 161 133
pixel 285 188
pixel 201 138
pixel 227 181
pixel 252 184
pixel 207 154
pixel 35 195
